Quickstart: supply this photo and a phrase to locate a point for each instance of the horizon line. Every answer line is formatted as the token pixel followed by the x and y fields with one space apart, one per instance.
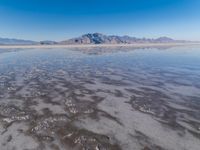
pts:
pixel 15 38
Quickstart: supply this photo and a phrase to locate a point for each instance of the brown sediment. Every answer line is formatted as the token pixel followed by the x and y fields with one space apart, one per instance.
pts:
pixel 84 139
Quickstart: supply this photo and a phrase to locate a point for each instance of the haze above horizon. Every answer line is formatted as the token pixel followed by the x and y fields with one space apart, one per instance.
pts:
pixel 64 19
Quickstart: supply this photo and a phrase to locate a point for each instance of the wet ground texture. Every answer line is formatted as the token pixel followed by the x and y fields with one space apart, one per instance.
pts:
pixel 100 99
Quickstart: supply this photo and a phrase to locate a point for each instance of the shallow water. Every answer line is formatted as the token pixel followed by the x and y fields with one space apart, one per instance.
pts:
pixel 119 98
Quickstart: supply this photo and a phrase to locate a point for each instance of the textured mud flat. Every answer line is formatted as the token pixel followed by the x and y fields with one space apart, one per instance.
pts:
pixel 62 99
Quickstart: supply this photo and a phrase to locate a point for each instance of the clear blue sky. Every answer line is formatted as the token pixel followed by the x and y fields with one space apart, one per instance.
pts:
pixel 62 19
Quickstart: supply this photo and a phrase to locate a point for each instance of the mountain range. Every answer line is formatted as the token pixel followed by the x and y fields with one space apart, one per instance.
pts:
pixel 7 41
pixel 92 38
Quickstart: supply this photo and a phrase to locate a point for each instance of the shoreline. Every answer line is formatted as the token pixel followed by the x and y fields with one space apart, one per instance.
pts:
pixel 137 45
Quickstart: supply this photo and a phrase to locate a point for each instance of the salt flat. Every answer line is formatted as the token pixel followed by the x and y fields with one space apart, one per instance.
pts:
pixel 100 98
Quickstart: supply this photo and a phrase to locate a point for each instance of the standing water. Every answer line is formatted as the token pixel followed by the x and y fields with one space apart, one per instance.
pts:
pixel 100 99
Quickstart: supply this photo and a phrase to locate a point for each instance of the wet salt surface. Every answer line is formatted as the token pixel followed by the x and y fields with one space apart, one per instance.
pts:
pixel 101 99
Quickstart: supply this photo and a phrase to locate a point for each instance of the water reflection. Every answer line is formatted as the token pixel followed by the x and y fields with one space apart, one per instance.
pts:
pixel 100 98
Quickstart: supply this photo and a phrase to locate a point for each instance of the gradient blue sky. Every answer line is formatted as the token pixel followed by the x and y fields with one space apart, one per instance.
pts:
pixel 63 19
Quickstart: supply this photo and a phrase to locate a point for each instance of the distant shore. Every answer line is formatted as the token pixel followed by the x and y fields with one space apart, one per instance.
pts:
pixel 139 45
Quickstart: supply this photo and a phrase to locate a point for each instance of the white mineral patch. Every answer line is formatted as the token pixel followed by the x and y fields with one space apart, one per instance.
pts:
pixel 7 120
pixel 134 120
pixel 18 140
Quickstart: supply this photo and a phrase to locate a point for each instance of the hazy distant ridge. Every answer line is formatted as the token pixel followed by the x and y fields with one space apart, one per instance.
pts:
pixel 7 41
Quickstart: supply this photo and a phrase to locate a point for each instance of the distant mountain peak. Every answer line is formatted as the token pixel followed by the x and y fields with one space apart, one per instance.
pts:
pixel 164 39
pixel 99 38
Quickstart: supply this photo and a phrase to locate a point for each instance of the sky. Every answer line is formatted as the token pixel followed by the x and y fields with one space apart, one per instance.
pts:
pixel 63 19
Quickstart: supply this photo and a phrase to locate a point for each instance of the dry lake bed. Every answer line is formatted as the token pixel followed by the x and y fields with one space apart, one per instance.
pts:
pixel 100 99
